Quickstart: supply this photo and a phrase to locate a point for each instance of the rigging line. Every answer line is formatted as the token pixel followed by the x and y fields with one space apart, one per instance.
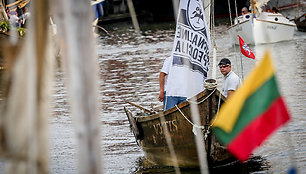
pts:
pixel 203 99
pixel 231 21
pixel 236 59
pixel 214 56
pixel 292 154
pixel 242 78
pixel 197 126
pixel 212 23
pixel 229 9
pixel 202 127
pixel 236 8
pixel 235 50
pixel 208 5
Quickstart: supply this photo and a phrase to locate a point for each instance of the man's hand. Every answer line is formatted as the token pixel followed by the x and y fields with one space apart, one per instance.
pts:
pixel 161 96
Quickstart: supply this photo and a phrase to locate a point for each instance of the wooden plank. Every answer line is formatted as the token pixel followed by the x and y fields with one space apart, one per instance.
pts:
pixel 142 108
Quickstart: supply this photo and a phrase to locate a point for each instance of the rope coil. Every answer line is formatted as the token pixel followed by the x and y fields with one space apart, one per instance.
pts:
pixel 210 84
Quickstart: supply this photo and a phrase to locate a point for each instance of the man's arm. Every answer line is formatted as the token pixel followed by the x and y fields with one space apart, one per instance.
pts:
pixel 162 76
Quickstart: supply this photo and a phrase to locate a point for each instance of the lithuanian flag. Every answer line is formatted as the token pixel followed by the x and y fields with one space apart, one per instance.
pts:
pixel 252 113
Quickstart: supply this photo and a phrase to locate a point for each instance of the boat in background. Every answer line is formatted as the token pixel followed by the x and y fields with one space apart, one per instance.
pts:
pixel 261 27
pixel 264 28
pixel 301 22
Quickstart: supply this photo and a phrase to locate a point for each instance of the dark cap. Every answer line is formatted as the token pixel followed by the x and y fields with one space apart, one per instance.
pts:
pixel 224 61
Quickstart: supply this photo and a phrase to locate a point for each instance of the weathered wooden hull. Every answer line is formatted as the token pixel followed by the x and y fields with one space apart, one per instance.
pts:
pixel 149 131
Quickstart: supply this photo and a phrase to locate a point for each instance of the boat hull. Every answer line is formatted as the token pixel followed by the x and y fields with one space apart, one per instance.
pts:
pixel 301 22
pixel 154 144
pixel 267 28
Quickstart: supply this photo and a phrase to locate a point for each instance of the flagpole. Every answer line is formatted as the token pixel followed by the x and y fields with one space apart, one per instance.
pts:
pixel 246 51
pixel 241 67
pixel 292 156
pixel 175 5
pixel 240 61
pixel 236 60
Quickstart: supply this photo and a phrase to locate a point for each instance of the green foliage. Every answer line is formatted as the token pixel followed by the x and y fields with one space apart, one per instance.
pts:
pixel 21 31
pixel 5 28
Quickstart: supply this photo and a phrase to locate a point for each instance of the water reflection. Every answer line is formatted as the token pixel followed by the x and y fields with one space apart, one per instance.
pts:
pixel 254 164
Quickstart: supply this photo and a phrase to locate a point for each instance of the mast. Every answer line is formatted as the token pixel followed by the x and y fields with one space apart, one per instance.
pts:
pixel 253 8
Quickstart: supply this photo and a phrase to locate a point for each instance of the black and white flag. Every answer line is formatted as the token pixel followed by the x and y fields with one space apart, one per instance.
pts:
pixel 190 51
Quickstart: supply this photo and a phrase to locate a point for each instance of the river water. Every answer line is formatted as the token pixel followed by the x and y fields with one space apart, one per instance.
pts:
pixel 129 70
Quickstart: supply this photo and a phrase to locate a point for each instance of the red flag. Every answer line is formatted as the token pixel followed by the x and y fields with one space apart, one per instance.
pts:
pixel 245 50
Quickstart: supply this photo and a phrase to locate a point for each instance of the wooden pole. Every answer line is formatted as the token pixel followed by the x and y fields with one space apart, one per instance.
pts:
pixel 73 18
pixel 175 4
pixel 26 110
pixel 140 107
pixel 133 16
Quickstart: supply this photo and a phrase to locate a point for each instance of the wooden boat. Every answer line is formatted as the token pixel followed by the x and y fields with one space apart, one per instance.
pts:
pixel 148 131
pixel 301 22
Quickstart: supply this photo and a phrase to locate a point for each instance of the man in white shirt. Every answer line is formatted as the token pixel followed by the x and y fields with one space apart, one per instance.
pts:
pixel 163 75
pixel 168 101
pixel 185 82
pixel 231 80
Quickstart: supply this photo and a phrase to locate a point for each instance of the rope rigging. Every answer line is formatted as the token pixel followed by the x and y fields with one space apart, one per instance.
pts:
pixel 210 85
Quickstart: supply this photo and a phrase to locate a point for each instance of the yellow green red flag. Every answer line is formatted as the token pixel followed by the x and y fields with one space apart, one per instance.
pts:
pixel 254 111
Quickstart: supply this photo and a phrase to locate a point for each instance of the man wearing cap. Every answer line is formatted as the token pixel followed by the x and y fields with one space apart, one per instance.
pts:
pixel 231 80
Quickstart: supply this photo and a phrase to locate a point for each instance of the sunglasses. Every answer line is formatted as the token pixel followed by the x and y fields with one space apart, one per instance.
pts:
pixel 223 66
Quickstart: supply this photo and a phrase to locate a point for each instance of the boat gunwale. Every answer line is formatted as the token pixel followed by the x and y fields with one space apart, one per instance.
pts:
pixel 290 25
pixel 263 20
pixel 238 24
pixel 174 109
